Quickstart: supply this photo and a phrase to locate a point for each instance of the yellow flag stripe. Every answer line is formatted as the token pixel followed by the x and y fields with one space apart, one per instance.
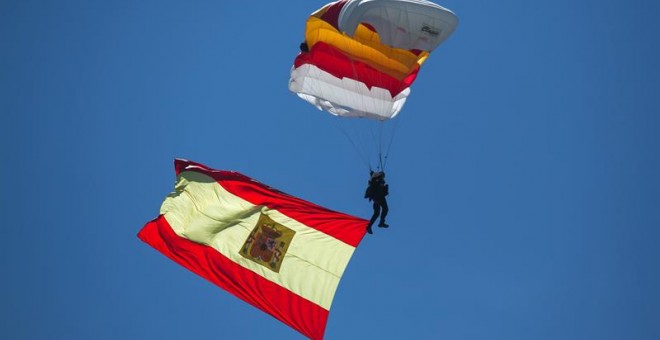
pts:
pixel 202 211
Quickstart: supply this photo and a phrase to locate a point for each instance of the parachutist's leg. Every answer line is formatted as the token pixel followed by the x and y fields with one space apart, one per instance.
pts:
pixel 382 223
pixel 374 217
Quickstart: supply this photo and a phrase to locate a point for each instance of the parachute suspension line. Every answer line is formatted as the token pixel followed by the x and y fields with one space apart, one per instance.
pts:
pixel 363 158
pixel 389 146
pixel 380 146
pixel 377 144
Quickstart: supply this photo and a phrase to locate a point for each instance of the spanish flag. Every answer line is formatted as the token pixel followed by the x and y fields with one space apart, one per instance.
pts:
pixel 277 252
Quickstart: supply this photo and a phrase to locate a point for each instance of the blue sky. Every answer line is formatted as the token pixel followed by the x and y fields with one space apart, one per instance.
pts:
pixel 524 191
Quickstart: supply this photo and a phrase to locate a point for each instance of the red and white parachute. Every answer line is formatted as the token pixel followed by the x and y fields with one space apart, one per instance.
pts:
pixel 361 56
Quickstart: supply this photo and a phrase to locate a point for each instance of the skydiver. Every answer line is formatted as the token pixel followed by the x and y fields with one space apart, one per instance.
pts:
pixel 376 192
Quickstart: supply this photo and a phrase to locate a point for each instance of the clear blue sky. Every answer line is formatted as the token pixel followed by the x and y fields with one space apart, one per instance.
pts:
pixel 525 200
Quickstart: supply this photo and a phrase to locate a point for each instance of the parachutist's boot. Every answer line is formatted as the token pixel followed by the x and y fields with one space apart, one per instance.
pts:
pixel 382 224
pixel 369 229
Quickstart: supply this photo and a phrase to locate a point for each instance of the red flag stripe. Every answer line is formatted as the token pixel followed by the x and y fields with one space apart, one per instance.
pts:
pixel 293 310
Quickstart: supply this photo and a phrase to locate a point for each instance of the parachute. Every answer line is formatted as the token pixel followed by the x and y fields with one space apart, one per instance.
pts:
pixel 360 57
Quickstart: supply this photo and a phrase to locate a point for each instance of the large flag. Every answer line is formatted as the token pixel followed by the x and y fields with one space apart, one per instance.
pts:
pixel 277 252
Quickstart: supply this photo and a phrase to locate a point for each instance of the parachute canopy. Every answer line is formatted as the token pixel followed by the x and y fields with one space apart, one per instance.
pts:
pixel 361 56
pixel 407 24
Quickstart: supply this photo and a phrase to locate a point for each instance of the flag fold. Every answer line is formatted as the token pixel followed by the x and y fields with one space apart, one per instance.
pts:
pixel 277 252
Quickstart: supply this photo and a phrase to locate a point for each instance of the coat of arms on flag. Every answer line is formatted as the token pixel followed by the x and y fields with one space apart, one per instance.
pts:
pixel 267 243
